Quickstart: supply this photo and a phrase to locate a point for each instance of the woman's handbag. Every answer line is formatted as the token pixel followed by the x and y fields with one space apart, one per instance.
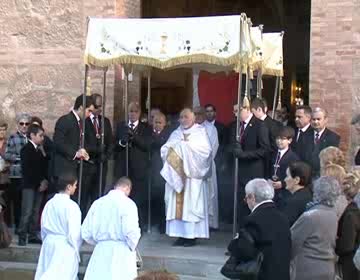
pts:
pixel 243 270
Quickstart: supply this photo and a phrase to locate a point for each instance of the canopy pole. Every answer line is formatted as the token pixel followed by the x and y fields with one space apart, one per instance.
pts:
pixel 275 96
pixel 259 76
pixel 126 117
pixel 236 179
pixel 82 132
pixel 149 171
pixel 102 135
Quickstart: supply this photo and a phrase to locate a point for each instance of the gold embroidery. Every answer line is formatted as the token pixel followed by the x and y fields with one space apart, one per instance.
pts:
pixel 178 165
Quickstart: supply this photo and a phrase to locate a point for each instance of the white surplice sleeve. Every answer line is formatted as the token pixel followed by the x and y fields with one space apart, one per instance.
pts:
pixel 86 228
pixel 74 228
pixel 130 226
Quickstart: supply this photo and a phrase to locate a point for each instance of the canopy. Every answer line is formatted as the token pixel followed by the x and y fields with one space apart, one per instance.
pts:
pixel 205 43
pixel 167 42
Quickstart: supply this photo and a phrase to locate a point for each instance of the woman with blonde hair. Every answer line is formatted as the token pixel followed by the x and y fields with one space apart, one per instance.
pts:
pixel 348 235
pixel 338 172
pixel 331 155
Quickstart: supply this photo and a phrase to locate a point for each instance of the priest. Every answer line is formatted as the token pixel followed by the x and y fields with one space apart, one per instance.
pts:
pixel 187 157
pixel 211 180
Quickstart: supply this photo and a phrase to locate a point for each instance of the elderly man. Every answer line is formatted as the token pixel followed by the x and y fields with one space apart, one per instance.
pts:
pixel 211 181
pixel 112 226
pixel 268 228
pixel 14 145
pixel 321 138
pixel 187 161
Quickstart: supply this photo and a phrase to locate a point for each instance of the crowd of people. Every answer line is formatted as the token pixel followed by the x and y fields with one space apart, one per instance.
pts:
pixel 296 194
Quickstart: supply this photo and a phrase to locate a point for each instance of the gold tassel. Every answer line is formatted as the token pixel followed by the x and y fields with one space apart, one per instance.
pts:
pixel 246 102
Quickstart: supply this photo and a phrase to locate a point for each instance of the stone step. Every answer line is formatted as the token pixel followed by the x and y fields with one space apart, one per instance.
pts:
pixel 26 271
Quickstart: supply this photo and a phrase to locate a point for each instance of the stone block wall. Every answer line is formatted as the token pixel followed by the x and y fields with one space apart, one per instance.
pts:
pixel 335 64
pixel 41 56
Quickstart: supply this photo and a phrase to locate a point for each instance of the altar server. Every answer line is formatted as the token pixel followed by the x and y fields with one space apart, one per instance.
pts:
pixel 112 225
pixel 61 234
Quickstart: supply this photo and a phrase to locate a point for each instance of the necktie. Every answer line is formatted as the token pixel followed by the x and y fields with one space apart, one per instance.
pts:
pixel 317 138
pixel 96 125
pixel 242 130
pixel 132 126
pixel 276 166
pixel 298 135
pixel 81 129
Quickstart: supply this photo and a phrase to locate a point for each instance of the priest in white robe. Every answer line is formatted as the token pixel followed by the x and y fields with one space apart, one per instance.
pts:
pixel 211 180
pixel 61 235
pixel 187 160
pixel 112 225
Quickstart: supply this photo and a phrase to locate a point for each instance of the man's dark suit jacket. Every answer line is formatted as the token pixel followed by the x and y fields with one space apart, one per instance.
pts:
pixel 312 150
pixel 157 141
pixel 300 147
pixel 34 166
pixel 67 143
pixel 271 233
pixel 254 149
pixel 138 151
pixel 222 136
pixel 94 143
pixel 273 127
pixel 296 204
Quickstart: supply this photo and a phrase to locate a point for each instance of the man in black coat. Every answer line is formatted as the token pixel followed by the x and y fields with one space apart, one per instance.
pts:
pixel 304 131
pixel 270 231
pixel 67 138
pixel 258 108
pixel 251 150
pixel 34 170
pixel 136 136
pixel 321 138
pixel 160 134
pixel 97 153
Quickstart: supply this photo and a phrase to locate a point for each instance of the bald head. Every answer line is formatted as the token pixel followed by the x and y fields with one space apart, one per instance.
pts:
pixel 187 118
pixel 134 111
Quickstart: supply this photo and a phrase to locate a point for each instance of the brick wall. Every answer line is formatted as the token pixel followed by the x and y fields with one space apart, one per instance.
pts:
pixel 335 64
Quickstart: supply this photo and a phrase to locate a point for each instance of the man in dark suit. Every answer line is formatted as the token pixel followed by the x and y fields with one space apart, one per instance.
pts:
pixel 160 134
pixel 135 136
pixel 280 161
pixel 269 229
pixel 304 130
pixel 258 108
pixel 67 138
pixel 251 150
pixel 285 117
pixel 34 169
pixel 321 138
pixel 97 152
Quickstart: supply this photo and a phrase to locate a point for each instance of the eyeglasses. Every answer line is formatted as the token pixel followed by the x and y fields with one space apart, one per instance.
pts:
pixel 24 123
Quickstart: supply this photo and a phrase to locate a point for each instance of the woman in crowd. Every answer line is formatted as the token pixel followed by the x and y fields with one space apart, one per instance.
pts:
pixel 314 234
pixel 356 123
pixel 349 230
pixel 298 179
pixel 332 155
pixel 339 173
pixel 4 169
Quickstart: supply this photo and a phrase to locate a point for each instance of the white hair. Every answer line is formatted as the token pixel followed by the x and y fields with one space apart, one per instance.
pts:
pixel 22 116
pixel 261 190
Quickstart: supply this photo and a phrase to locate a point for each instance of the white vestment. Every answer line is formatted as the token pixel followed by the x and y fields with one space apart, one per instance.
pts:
pixel 212 179
pixel 187 160
pixel 112 224
pixel 61 235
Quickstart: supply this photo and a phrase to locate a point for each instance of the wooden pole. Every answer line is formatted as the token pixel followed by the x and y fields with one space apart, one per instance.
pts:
pixel 236 178
pixel 82 142
pixel 126 116
pixel 275 96
pixel 149 171
pixel 259 76
pixel 101 175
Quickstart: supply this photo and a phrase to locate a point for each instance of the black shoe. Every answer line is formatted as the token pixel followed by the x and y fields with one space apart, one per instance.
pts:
pixel 189 242
pixel 179 242
pixel 22 241
pixel 35 240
